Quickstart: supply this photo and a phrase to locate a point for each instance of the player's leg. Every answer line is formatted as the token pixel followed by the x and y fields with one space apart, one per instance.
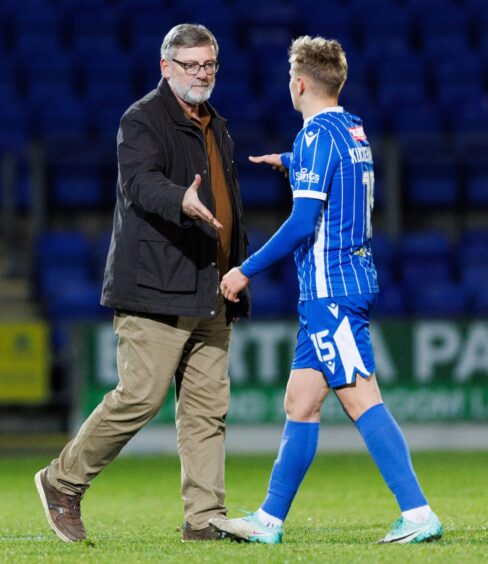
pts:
pixel 305 393
pixel 388 447
pixel 148 353
pixel 202 386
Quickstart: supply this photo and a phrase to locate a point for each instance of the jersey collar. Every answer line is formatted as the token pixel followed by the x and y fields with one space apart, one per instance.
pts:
pixel 329 109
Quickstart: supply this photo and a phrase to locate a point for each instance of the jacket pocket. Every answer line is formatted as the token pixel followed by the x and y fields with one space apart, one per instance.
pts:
pixel 166 267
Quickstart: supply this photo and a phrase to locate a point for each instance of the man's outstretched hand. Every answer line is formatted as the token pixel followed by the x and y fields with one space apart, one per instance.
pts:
pixel 274 160
pixel 193 207
pixel 233 283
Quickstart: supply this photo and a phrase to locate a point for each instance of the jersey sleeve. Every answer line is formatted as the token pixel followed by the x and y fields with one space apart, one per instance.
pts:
pixel 315 157
pixel 285 159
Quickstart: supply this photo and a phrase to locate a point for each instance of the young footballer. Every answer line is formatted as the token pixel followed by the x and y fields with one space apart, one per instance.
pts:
pixel 329 230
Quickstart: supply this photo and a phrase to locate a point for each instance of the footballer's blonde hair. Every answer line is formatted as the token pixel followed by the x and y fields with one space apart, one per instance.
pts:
pixel 322 60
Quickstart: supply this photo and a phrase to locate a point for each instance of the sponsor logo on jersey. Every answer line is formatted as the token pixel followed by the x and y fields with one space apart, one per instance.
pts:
pixel 310 137
pixel 360 155
pixel 305 175
pixel 357 133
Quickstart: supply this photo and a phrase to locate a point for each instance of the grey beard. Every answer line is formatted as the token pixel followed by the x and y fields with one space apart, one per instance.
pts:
pixel 188 96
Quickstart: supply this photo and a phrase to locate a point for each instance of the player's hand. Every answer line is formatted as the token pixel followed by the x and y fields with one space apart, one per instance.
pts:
pixel 274 160
pixel 233 283
pixel 193 207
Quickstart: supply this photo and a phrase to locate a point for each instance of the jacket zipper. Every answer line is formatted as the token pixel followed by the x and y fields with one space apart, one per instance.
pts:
pixel 202 141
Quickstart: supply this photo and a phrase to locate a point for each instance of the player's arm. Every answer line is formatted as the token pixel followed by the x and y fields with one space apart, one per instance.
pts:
pixel 279 162
pixel 295 230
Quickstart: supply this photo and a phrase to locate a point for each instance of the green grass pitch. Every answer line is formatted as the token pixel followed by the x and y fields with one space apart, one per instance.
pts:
pixel 133 510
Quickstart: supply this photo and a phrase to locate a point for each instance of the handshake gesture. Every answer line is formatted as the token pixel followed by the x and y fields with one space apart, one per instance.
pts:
pixel 233 283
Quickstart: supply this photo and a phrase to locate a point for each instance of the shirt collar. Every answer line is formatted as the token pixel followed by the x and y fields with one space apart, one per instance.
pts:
pixel 328 109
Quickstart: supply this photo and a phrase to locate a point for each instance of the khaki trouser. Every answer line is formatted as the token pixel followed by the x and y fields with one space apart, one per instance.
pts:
pixel 150 354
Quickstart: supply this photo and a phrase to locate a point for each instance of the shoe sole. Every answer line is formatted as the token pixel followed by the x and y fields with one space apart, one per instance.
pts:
pixel 230 536
pixel 42 495
pixel 432 538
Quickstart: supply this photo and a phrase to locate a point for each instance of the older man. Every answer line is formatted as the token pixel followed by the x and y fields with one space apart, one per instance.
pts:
pixel 177 229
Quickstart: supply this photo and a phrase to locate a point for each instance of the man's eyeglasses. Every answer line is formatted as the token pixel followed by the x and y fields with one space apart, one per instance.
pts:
pixel 211 67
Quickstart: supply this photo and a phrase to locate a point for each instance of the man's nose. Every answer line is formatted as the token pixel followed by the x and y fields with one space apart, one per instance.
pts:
pixel 202 73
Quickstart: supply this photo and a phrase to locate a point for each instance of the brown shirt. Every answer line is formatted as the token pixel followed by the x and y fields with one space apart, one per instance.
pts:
pixel 223 204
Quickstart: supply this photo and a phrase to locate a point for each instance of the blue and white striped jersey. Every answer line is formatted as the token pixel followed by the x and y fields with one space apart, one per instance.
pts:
pixel 332 161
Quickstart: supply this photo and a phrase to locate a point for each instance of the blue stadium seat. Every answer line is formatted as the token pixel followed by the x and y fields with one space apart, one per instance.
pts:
pixel 117 95
pixel 38 49
pixel 269 297
pixel 456 94
pixel 62 248
pixel 60 256
pixel 78 300
pixel 391 300
pixel 455 70
pixel 383 250
pixel 474 277
pixel 472 118
pixel 67 120
pixel 431 178
pixel 425 256
pixel 93 23
pixel 107 120
pixel 473 251
pixel 261 188
pixel 331 20
pixel 437 298
pixel 99 255
pixel 50 93
pixel 385 29
pixel 478 187
pixel 416 119
pixel 75 174
pixel 77 190
pixel 14 125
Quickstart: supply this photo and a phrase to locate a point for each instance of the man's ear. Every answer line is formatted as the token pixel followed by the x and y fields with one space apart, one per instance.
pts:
pixel 164 66
pixel 301 85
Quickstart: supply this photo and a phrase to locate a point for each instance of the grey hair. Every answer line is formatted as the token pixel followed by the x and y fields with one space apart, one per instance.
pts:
pixel 187 35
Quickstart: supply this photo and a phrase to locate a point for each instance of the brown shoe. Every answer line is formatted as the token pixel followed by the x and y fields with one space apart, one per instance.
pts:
pixel 62 510
pixel 206 534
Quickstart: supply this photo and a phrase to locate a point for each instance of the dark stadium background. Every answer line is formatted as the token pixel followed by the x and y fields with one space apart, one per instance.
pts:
pixel 69 69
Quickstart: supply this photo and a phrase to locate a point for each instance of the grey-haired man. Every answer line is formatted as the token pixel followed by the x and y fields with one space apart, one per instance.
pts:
pixel 177 230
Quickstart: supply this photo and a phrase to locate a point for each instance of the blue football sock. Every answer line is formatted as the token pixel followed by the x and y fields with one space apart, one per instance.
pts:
pixel 298 447
pixel 388 447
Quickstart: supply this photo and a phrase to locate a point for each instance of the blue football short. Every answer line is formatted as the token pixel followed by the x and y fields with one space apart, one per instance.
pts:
pixel 334 338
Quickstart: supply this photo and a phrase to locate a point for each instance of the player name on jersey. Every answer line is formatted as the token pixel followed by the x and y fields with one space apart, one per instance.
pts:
pixel 360 154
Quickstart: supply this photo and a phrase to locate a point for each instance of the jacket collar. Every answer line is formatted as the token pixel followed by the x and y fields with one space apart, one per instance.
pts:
pixel 176 111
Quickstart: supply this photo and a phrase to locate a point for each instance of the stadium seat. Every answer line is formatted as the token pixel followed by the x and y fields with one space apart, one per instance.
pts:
pixel 78 300
pixel 425 256
pixel 269 298
pixel 437 298
pixel 420 118
pixel 67 120
pixel 261 188
pixel 57 253
pixel 431 179
pixel 391 301
pixel 383 256
pixel 15 131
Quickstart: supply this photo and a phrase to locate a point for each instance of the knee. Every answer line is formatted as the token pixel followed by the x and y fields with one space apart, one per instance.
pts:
pixel 142 406
pixel 354 409
pixel 302 408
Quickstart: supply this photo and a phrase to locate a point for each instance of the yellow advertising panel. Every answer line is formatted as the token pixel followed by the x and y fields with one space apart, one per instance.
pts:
pixel 24 362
